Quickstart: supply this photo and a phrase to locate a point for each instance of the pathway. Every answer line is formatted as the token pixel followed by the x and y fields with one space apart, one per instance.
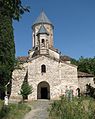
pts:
pixel 39 110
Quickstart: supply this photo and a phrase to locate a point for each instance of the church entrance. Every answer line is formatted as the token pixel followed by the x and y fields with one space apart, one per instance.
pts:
pixel 44 93
pixel 43 90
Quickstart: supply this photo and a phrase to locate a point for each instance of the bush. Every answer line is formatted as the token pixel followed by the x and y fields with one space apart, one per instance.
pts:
pixel 78 108
pixel 26 89
pixel 1 104
pixel 13 111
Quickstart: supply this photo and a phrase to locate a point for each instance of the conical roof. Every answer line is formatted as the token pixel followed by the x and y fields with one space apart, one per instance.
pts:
pixel 42 18
pixel 42 30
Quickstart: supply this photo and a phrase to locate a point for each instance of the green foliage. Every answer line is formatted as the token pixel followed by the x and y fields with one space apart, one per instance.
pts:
pixel 74 61
pixel 85 64
pixel 1 104
pixel 9 9
pixel 13 111
pixel 18 64
pixel 78 108
pixel 26 89
pixel 13 8
pixel 7 49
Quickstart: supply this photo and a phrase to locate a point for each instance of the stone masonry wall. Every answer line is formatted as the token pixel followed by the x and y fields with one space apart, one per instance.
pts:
pixel 53 75
pixel 50 31
pixel 18 78
pixel 57 75
pixel 83 81
pixel 69 77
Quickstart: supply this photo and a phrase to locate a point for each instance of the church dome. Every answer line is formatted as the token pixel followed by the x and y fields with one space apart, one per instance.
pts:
pixel 42 19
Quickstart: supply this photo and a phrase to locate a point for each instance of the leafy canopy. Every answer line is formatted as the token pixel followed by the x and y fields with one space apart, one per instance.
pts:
pixel 85 64
pixel 13 7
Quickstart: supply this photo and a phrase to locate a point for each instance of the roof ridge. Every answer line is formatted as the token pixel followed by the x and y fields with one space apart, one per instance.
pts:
pixel 84 74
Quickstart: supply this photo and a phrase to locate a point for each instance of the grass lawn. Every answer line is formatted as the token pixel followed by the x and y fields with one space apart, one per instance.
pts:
pixel 13 111
pixel 78 108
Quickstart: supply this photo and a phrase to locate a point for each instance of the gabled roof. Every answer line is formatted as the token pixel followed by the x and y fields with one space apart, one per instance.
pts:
pixel 42 30
pixel 65 58
pixel 42 18
pixel 83 74
pixel 22 58
pixel 55 59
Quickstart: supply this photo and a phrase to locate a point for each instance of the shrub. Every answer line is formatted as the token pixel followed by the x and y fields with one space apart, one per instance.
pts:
pixel 78 108
pixel 14 111
pixel 26 89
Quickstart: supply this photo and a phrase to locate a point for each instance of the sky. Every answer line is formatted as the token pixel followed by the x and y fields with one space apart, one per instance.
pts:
pixel 74 26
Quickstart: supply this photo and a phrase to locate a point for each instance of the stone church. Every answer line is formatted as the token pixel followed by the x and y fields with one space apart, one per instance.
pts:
pixel 45 68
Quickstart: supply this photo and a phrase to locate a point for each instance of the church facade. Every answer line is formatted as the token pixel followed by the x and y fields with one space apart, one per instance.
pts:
pixel 45 68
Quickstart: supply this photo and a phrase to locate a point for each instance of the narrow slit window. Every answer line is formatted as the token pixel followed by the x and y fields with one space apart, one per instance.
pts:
pixel 43 68
pixel 43 40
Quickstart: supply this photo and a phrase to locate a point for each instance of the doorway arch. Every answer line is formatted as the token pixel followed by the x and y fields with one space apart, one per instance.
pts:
pixel 43 90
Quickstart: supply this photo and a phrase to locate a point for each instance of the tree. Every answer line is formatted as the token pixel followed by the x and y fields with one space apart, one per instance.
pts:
pixel 9 10
pixel 85 64
pixel 26 89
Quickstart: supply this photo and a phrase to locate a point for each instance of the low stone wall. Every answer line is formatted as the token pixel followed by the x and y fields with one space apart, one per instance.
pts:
pixel 82 81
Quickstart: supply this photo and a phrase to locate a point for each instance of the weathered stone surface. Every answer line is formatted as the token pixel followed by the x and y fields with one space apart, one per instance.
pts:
pixel 83 81
pixel 57 75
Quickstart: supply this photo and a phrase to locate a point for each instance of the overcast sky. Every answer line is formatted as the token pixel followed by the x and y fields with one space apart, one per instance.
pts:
pixel 74 26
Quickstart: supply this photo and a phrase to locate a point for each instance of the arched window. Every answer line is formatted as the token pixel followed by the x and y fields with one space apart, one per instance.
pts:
pixel 43 68
pixel 43 40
